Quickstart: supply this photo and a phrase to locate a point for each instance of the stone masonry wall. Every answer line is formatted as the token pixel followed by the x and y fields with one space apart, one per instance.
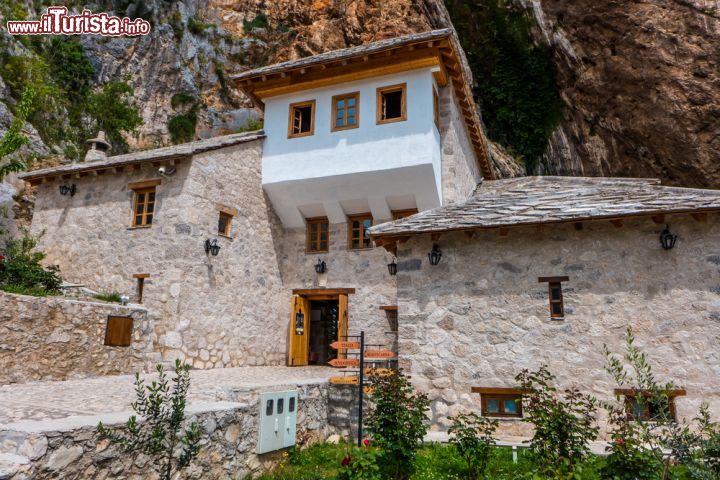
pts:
pixel 55 339
pixel 214 311
pixel 481 316
pixel 460 173
pixel 71 448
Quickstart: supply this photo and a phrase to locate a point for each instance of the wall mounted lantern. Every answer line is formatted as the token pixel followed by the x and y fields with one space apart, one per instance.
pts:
pixel 68 189
pixel 434 255
pixel 667 238
pixel 212 247
pixel 392 267
pixel 320 267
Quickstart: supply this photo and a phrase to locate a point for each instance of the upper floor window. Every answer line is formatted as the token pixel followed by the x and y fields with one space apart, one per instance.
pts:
pixel 436 108
pixel 557 307
pixel 302 119
pixel 398 214
pixel 358 226
pixel 143 202
pixel 391 104
pixel 318 234
pixel 345 112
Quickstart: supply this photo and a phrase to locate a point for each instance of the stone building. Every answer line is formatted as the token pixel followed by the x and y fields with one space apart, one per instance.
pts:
pixel 222 239
pixel 546 270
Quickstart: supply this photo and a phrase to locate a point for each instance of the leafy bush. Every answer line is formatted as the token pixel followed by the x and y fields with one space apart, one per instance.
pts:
pixel 361 463
pixel 21 272
pixel 197 27
pixel 182 98
pixel 260 21
pixel 473 438
pixel 14 139
pixel 160 434
pixel 397 422
pixel 564 425
pixel 182 126
pixel 114 113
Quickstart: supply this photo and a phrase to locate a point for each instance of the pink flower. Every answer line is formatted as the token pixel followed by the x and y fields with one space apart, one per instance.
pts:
pixel 346 461
pixel 366 442
pixel 2 258
pixel 620 441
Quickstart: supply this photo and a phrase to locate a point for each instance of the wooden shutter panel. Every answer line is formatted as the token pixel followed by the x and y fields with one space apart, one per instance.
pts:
pixel 299 338
pixel 118 332
pixel 342 322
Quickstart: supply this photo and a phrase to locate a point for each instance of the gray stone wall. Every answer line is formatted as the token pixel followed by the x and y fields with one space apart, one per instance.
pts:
pixel 55 339
pixel 481 316
pixel 213 311
pixel 460 173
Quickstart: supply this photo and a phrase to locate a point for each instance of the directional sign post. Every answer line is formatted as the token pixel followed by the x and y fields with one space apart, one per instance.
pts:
pixel 345 345
pixel 344 380
pixel 345 362
pixel 361 390
pixel 379 354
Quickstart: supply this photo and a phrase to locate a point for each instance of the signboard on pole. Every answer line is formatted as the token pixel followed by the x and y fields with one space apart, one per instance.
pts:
pixel 345 362
pixel 379 354
pixel 345 380
pixel 344 345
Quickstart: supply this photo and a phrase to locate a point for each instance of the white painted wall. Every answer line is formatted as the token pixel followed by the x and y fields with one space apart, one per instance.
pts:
pixel 330 170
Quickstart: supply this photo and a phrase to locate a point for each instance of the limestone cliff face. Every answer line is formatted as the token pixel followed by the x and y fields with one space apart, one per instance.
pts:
pixel 641 81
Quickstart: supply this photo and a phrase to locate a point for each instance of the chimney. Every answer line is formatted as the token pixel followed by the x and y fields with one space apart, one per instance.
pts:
pixel 99 148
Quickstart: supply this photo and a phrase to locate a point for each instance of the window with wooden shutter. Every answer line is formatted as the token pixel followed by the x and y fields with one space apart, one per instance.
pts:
pixel 555 295
pixel 302 119
pixel 391 104
pixel 358 226
pixel 345 111
pixel 318 234
pixel 118 332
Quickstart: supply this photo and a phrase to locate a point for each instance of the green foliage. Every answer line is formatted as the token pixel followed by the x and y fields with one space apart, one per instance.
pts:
pixel 160 433
pixel 114 112
pixel 13 10
pixel 260 21
pixel 361 463
pixel 473 438
pixel 182 98
pixel 21 271
pixel 515 79
pixel 182 126
pixel 13 139
pixel 564 424
pixel 69 67
pixel 252 125
pixel 108 297
pixel 177 26
pixel 197 27
pixel 397 422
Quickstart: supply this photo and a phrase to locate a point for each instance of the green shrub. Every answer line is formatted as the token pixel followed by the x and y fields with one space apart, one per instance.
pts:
pixel 182 98
pixel 260 21
pixel 564 424
pixel 21 272
pixel 397 422
pixel 182 126
pixel 108 297
pixel 473 438
pixel 14 139
pixel 361 463
pixel 162 433
pixel 197 27
pixel 114 113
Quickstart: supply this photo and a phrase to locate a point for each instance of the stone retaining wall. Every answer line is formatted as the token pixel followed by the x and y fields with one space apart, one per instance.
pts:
pixel 54 338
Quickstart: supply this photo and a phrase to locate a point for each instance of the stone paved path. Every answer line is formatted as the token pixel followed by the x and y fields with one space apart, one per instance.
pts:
pixel 53 400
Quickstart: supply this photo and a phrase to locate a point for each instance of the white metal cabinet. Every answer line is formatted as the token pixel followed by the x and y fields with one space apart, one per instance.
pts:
pixel 278 420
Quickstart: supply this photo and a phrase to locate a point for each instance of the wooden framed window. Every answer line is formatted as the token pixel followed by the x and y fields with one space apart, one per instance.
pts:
pixel 398 214
pixel 345 111
pixel 436 108
pixel 500 402
pixel 302 119
pixel 140 277
pixel 318 234
pixel 224 223
pixel 555 295
pixel 358 226
pixel 118 332
pixel 143 207
pixel 392 104
pixel 643 406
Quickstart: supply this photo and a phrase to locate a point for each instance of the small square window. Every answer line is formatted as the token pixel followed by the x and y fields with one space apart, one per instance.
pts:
pixel 391 104
pixel 358 226
pixel 302 119
pixel 345 112
pixel 224 224
pixel 500 402
pixel 318 235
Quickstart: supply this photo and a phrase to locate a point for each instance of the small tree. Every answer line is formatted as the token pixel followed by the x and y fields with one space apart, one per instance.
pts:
pixel 473 438
pixel 14 139
pixel 21 271
pixel 564 424
pixel 160 432
pixel 397 422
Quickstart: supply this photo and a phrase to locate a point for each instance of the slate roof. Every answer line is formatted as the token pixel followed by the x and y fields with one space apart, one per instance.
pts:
pixel 182 150
pixel 344 53
pixel 539 200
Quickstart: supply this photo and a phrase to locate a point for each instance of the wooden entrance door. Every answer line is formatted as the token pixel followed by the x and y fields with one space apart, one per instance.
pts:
pixel 299 331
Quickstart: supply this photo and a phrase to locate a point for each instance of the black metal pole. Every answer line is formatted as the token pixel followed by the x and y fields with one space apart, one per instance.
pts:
pixel 361 388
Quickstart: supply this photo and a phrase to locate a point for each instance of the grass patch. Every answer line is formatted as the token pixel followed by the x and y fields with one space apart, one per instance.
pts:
pixel 108 297
pixel 32 291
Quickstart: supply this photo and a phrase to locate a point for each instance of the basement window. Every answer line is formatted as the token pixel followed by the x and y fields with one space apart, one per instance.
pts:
pixel 500 402
pixel 643 406
pixel 555 295
pixel 318 234
pixel 302 119
pixel 391 104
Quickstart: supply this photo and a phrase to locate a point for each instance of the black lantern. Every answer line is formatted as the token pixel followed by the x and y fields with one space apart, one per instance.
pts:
pixel 68 189
pixel 434 255
pixel 212 247
pixel 667 239
pixel 320 267
pixel 299 323
pixel 392 267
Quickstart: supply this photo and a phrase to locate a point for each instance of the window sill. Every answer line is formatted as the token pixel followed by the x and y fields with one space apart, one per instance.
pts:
pixel 505 419
pixel 139 227
pixel 360 249
pixel 225 236
pixel 301 135
pixel 391 120
pixel 340 129
pixel 315 252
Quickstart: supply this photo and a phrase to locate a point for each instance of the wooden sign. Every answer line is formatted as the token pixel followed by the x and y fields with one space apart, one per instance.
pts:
pixel 345 380
pixel 345 362
pixel 379 354
pixel 345 345
pixel 379 372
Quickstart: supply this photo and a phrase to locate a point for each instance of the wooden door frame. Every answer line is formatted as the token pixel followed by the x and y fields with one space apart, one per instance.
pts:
pixel 319 294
